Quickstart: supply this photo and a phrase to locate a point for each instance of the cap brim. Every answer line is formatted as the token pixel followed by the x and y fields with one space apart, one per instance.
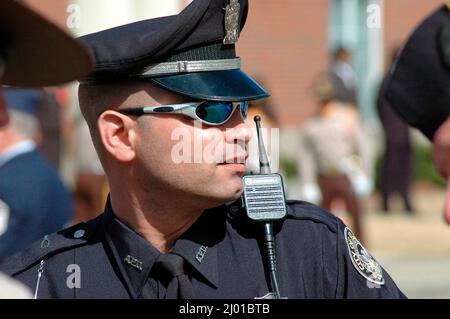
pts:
pixel 227 85
pixel 38 53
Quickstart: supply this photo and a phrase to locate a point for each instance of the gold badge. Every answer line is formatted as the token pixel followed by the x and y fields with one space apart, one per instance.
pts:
pixel 364 263
pixel 232 12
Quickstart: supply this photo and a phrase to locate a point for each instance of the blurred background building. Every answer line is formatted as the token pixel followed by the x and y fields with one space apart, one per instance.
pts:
pixel 285 45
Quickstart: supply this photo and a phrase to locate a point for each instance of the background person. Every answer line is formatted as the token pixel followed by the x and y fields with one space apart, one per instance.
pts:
pixel 33 38
pixel 34 200
pixel 397 167
pixel 332 144
pixel 419 86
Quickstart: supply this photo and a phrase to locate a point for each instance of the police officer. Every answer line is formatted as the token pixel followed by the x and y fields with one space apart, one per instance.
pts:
pixel 173 226
pixel 33 52
pixel 419 86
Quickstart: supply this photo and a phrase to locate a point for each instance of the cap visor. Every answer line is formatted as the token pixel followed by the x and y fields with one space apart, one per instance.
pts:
pixel 227 85
pixel 37 52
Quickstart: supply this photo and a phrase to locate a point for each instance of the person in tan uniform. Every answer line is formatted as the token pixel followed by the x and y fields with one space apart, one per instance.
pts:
pixel 333 155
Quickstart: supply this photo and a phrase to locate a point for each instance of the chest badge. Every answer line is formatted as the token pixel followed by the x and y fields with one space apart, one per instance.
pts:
pixel 362 260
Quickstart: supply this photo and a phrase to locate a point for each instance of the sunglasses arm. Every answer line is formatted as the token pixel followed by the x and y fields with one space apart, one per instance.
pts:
pixel 184 108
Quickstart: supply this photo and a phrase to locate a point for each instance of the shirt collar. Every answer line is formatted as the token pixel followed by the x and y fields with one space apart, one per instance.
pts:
pixel 135 256
pixel 198 245
pixel 16 150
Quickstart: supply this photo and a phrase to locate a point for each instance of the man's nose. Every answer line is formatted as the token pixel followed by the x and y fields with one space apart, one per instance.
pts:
pixel 237 129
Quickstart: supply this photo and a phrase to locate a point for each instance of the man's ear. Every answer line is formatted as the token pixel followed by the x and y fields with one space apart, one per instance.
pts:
pixel 118 135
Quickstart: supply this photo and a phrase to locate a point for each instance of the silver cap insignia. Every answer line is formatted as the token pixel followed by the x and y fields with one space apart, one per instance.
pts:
pixel 232 12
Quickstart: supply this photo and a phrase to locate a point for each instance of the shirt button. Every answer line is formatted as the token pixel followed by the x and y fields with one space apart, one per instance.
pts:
pixel 79 233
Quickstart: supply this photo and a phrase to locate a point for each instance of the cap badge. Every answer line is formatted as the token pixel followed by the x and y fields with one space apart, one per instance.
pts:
pixel 232 22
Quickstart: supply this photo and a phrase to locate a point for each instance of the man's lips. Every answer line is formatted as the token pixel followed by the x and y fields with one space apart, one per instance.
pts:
pixel 236 164
pixel 235 160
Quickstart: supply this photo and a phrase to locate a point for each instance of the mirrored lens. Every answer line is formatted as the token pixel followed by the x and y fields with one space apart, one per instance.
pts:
pixel 214 112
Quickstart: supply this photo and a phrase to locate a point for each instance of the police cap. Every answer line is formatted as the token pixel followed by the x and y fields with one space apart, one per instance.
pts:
pixel 192 53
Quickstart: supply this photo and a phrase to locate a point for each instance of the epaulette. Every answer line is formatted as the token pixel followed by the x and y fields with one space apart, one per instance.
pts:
pixel 298 210
pixel 306 211
pixel 75 236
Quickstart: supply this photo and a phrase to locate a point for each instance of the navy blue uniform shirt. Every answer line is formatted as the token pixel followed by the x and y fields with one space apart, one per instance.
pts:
pixel 318 257
pixel 36 201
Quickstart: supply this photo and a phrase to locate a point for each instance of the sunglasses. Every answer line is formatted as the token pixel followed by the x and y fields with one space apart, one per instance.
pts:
pixel 209 112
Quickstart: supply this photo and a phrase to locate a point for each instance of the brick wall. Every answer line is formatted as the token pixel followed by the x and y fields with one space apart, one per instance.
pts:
pixel 285 45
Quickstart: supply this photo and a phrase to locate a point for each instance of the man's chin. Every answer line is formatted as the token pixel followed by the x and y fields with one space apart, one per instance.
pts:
pixel 223 198
pixel 235 196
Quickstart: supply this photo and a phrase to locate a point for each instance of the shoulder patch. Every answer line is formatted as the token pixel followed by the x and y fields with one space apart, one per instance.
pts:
pixel 48 246
pixel 362 260
pixel 303 210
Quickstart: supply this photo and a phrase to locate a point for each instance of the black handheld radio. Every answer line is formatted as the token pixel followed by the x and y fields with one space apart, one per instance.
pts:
pixel 265 202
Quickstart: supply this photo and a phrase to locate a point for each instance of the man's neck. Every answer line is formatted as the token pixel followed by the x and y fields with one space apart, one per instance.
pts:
pixel 13 145
pixel 159 220
pixel 8 139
